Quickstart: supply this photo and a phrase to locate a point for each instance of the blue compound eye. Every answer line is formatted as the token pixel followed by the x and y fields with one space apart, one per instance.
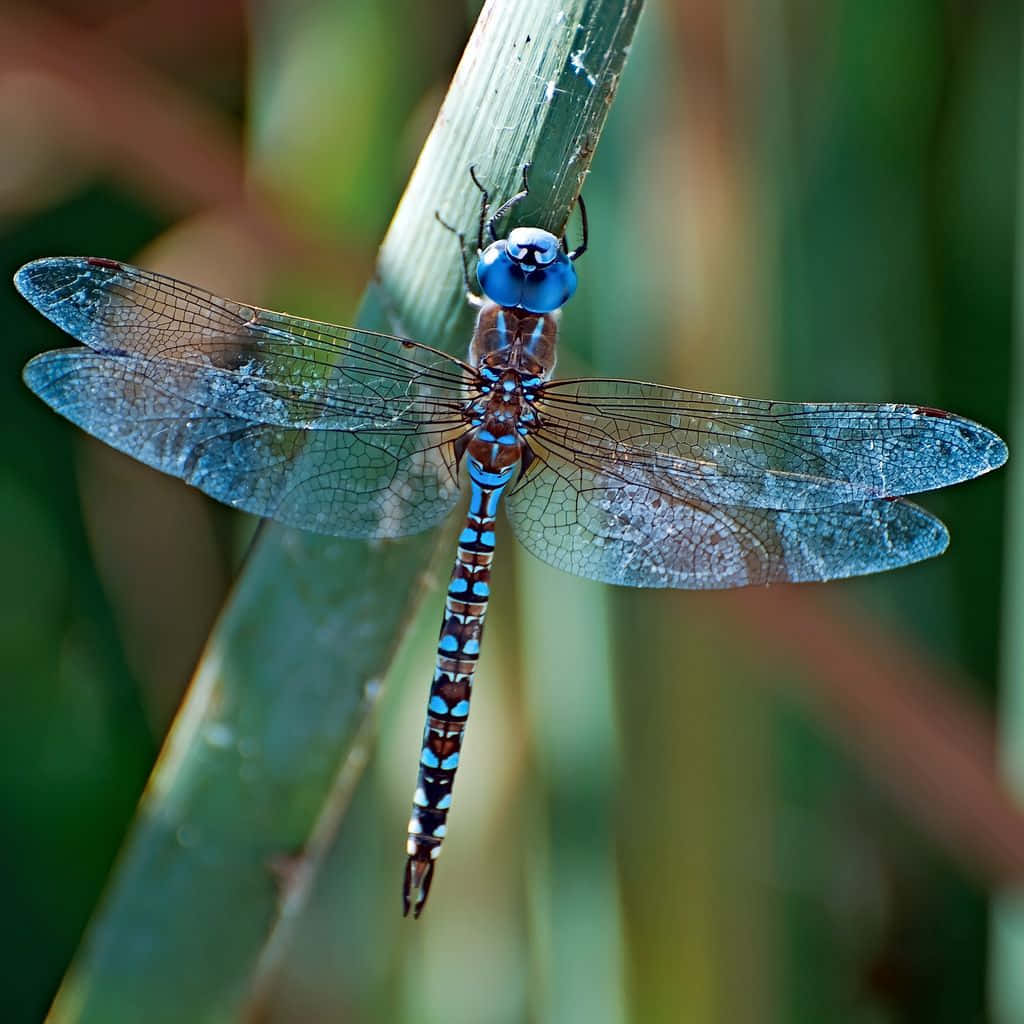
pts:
pixel 529 270
pixel 549 288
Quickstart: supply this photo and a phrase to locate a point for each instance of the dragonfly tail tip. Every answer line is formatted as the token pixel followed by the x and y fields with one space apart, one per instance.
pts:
pixel 418 875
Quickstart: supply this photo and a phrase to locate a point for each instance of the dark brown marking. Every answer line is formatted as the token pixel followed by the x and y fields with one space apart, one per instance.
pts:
pixel 233 354
pixel 527 456
pixel 459 446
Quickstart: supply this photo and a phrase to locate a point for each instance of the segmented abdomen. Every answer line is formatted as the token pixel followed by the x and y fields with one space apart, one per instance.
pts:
pixel 458 648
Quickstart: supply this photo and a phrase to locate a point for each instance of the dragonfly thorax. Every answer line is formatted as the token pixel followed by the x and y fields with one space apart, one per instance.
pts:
pixel 513 353
pixel 502 414
pixel 514 339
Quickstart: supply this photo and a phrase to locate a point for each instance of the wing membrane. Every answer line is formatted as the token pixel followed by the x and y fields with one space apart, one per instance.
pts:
pixel 605 528
pixel 760 454
pixel 327 428
pixel 351 432
pixel 348 483
pixel 258 363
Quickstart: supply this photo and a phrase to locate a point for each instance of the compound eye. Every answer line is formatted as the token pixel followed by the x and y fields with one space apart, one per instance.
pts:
pixel 548 289
pixel 500 276
pixel 540 279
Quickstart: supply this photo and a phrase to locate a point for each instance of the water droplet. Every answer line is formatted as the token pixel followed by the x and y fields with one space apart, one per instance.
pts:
pixel 217 734
pixel 187 836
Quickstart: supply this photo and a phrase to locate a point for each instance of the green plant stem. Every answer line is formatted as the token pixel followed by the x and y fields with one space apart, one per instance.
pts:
pixel 278 721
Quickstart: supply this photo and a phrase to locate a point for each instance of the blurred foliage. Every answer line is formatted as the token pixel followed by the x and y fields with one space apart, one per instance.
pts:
pixel 820 201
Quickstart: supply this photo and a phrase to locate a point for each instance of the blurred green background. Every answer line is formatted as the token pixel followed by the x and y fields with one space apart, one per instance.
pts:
pixel 773 806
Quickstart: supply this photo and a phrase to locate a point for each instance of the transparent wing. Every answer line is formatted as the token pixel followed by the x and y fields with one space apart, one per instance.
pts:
pixel 759 454
pixel 327 428
pixel 605 528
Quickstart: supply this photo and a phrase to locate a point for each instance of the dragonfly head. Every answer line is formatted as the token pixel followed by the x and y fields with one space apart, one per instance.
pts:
pixel 529 270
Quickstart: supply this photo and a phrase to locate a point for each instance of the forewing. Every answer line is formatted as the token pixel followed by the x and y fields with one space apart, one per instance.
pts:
pixel 252 362
pixel 759 454
pixel 326 428
pixel 604 528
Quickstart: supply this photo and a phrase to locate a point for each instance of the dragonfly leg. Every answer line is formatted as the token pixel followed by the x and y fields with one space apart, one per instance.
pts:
pixel 485 205
pixel 492 224
pixel 471 296
pixel 582 247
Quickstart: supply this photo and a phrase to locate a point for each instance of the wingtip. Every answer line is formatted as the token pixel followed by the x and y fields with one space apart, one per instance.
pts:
pixel 941 538
pixel 998 453
pixel 969 449
pixel 69 290
pixel 913 535
pixel 23 277
pixel 32 279
pixel 988 449
pixel 33 374
pixel 38 277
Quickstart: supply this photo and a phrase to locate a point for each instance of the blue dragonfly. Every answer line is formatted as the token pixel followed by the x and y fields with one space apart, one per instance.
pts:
pixel 354 433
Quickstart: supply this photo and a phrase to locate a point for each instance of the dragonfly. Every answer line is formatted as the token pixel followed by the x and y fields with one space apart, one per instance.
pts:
pixel 354 433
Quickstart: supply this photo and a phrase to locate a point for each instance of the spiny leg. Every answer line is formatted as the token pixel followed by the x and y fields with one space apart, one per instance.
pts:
pixel 488 225
pixel 492 224
pixel 485 205
pixel 582 248
pixel 471 296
